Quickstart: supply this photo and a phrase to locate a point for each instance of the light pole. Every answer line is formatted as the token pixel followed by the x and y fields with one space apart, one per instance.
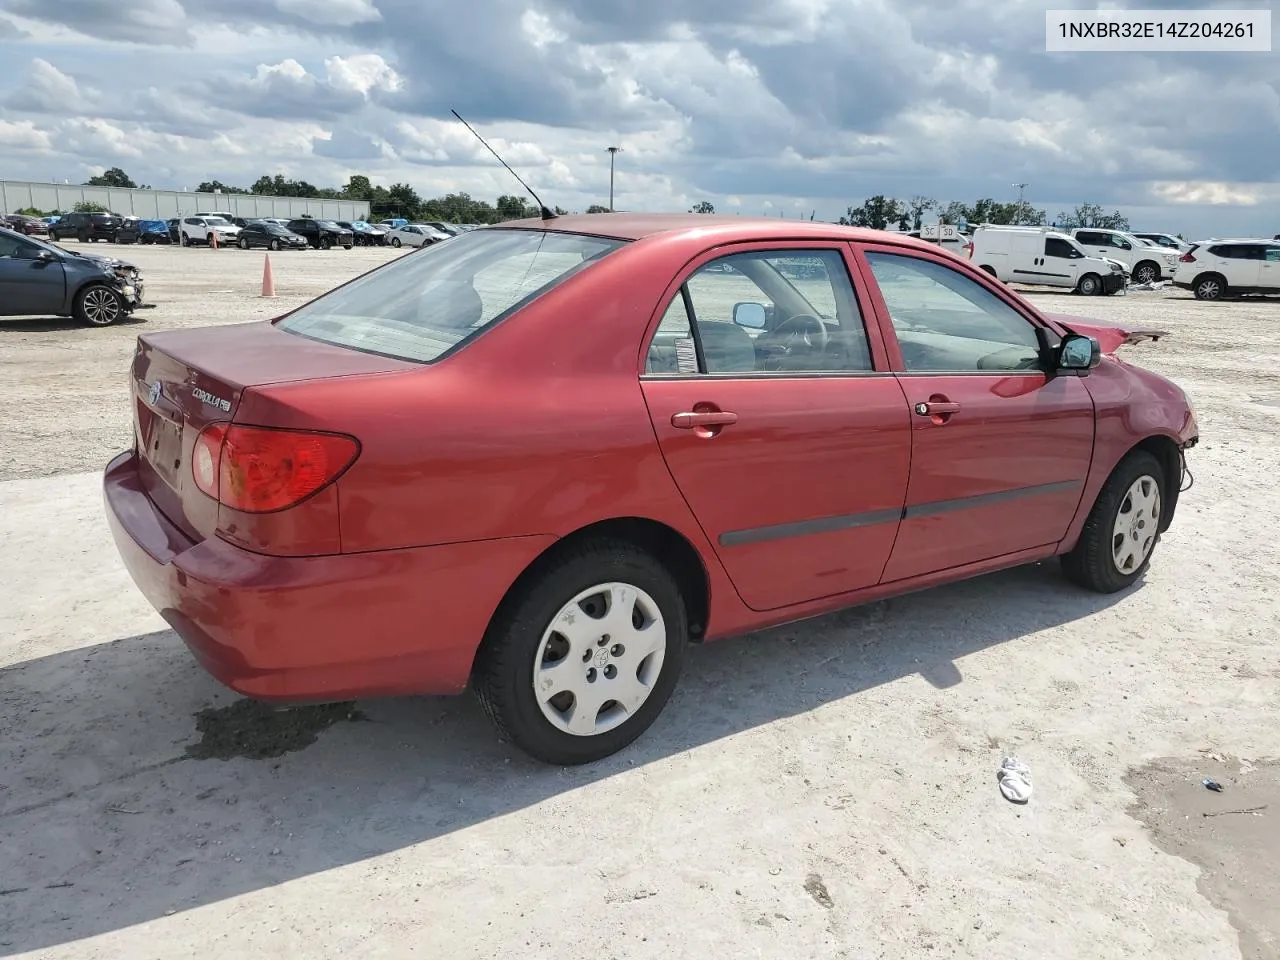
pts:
pixel 1021 187
pixel 613 152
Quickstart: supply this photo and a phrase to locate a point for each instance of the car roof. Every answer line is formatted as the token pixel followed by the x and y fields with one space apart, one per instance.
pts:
pixel 716 227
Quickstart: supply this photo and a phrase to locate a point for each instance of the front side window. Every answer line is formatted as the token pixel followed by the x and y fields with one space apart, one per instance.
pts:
pixel 1273 254
pixel 777 311
pixel 1057 247
pixel 420 307
pixel 946 322
pixel 12 248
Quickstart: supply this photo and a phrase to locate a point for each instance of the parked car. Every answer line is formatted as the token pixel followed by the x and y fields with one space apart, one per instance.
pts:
pixel 270 235
pixel 415 235
pixel 448 229
pixel 129 231
pixel 675 479
pixel 1166 240
pixel 364 234
pixel 39 279
pixel 1146 263
pixel 154 231
pixel 392 222
pixel 86 227
pixel 30 226
pixel 202 228
pixel 1213 269
pixel 1041 255
pixel 322 234
pixel 175 230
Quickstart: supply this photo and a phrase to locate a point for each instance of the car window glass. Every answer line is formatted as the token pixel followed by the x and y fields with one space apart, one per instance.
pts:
pixel 947 322
pixel 1057 247
pixel 11 248
pixel 806 314
pixel 1273 254
pixel 1251 251
pixel 672 348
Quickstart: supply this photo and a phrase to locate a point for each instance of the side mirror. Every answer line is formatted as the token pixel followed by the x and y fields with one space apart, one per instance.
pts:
pixel 1078 354
pixel 46 256
pixel 751 315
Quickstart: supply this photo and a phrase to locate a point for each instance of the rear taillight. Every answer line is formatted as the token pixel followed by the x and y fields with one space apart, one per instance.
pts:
pixel 1186 258
pixel 262 469
pixel 968 249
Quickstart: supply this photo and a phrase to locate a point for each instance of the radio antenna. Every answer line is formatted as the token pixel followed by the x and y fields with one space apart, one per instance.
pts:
pixel 546 213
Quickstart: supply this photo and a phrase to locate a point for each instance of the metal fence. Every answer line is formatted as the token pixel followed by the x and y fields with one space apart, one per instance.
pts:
pixel 18 195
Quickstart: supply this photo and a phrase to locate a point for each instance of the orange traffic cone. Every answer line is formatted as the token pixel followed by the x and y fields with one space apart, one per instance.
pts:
pixel 213 239
pixel 268 281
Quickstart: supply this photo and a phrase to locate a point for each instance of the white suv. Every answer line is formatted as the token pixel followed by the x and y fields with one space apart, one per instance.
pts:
pixel 1146 263
pixel 1213 269
pixel 203 227
pixel 1166 240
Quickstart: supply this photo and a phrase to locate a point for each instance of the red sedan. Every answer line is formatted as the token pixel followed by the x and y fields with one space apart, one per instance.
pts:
pixel 541 458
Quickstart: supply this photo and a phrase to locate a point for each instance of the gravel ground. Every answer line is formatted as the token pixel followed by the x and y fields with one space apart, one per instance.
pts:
pixel 821 790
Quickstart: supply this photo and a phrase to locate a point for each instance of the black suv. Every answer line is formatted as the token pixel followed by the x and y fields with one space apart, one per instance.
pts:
pixel 322 234
pixel 86 227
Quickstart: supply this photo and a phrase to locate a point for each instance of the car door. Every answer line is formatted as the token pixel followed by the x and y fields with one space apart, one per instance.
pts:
pixel 779 419
pixel 1269 269
pixel 1000 449
pixel 29 286
pixel 1244 264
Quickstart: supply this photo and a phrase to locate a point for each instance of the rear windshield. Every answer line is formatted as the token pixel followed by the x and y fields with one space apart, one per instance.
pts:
pixel 428 302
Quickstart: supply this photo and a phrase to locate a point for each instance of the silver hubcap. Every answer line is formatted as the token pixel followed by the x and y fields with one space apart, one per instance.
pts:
pixel 101 306
pixel 1209 289
pixel 599 659
pixel 1134 533
pixel 1089 285
pixel 1146 274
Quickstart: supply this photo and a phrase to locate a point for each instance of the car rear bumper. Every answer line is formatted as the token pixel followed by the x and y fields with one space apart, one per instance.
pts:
pixel 313 629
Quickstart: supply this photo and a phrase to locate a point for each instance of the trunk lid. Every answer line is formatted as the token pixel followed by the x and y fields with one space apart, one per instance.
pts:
pixel 183 380
pixel 1110 336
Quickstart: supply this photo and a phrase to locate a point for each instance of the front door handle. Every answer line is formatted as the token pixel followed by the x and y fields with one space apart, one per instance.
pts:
pixel 707 418
pixel 937 408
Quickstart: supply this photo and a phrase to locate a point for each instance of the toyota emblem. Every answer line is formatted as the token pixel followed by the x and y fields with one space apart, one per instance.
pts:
pixel 153 395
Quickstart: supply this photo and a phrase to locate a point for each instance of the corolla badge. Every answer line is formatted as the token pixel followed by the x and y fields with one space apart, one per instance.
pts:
pixel 204 396
pixel 154 394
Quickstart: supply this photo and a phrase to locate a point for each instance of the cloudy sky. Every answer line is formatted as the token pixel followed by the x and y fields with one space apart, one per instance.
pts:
pixel 778 106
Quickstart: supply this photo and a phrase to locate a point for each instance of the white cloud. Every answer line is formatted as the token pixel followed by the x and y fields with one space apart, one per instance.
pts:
pixel 25 136
pixel 342 13
pixel 362 73
pixel 1214 194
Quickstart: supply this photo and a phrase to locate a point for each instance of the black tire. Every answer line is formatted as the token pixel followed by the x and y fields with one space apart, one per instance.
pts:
pixel 1146 272
pixel 1091 564
pixel 503 675
pixel 97 305
pixel 989 270
pixel 242 243
pixel 184 240
pixel 324 243
pixel 274 245
pixel 1210 286
pixel 346 246
pixel 1090 285
pixel 395 241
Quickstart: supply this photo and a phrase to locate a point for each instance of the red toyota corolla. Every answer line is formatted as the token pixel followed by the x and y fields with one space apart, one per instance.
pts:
pixel 541 458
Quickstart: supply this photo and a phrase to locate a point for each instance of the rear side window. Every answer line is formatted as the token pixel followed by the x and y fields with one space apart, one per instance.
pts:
pixel 422 306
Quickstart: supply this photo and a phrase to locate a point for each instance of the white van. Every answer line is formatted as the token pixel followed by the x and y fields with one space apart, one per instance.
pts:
pixel 1043 256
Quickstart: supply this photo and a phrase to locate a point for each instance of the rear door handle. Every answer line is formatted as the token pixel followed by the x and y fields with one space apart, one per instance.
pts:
pixel 710 418
pixel 937 408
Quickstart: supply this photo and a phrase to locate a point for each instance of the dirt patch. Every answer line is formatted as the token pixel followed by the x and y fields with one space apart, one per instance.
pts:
pixel 258 731
pixel 1233 836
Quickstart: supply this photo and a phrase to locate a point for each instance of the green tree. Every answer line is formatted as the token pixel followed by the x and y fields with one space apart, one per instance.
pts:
pixel 596 208
pixel 358 188
pixel 877 213
pixel 916 208
pixel 1092 215
pixel 88 206
pixel 702 206
pixel 114 177
pixel 217 186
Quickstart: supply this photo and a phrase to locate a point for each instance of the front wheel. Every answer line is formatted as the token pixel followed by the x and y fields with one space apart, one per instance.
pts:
pixel 98 306
pixel 582 657
pixel 324 243
pixel 1123 527
pixel 1146 272
pixel 242 243
pixel 274 245
pixel 1090 285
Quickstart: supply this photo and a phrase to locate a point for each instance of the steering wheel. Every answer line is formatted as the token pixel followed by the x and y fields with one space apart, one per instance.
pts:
pixel 803 328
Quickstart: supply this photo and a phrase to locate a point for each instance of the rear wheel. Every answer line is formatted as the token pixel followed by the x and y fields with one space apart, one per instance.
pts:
pixel 395 241
pixel 581 658
pixel 324 243
pixel 988 269
pixel 1090 285
pixel 274 245
pixel 1210 286
pixel 1123 527
pixel 98 305
pixel 242 243
pixel 346 246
